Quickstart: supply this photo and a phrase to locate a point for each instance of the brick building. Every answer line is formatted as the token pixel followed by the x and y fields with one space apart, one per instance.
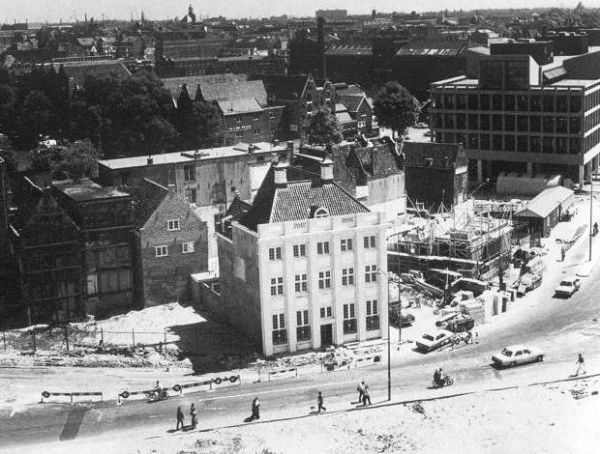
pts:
pixel 173 243
pixel 300 266
pixel 436 173
pixel 514 114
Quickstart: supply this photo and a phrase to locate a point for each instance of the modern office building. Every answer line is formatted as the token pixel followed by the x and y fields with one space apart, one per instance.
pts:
pixel 521 109
pixel 300 267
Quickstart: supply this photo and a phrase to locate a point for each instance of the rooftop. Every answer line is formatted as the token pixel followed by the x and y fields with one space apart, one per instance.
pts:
pixel 87 190
pixel 182 157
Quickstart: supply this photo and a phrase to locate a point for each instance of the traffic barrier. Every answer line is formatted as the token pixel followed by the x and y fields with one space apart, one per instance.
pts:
pixel 47 395
pixel 367 361
pixel 282 371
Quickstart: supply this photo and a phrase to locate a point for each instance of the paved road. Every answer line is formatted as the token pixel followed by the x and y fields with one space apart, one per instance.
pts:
pixel 562 327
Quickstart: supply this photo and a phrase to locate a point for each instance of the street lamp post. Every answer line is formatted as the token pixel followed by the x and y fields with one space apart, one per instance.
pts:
pixel 389 354
pixel 591 215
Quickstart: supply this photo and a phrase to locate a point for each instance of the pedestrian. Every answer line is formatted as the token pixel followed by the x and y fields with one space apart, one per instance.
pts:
pixel 476 337
pixel 179 418
pixel 562 253
pixel 193 416
pixel 361 390
pixel 255 409
pixel 320 402
pixel 366 396
pixel 469 338
pixel 580 365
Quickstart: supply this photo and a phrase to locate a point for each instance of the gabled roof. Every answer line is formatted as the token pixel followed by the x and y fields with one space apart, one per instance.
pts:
pixel 175 84
pixel 79 70
pixel 236 97
pixel 444 155
pixel 148 197
pixel 303 191
pixel 376 161
pixel 352 103
pixel 546 201
pixel 285 87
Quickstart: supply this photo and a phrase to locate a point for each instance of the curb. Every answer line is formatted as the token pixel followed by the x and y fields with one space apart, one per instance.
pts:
pixel 402 402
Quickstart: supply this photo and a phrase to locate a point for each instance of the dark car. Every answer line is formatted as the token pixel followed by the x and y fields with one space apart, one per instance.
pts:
pixel 460 325
pixel 399 318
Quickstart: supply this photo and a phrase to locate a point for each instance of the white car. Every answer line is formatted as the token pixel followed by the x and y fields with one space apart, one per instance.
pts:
pixel 567 287
pixel 431 341
pixel 516 355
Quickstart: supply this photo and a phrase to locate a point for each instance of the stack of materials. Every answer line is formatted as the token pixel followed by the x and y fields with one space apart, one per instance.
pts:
pixel 475 309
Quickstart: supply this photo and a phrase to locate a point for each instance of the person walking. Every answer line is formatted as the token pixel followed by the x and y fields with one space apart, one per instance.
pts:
pixel 562 253
pixel 255 409
pixel 580 365
pixel 366 396
pixel 320 402
pixel 193 416
pixel 179 418
pixel 361 390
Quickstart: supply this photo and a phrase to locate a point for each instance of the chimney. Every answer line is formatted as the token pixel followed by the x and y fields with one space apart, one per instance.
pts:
pixel 150 160
pixel 327 169
pixel 281 173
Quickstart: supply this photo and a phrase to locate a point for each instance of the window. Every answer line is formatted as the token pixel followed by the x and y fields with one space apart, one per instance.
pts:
pixel 323 247
pixel 302 326
pixel 346 245
pixel 348 276
pixel 300 284
pixel 326 312
pixel 372 316
pixel 279 332
pixel 187 248
pixel 349 319
pixel 371 273
pixel 324 279
pixel 173 224
pixel 276 286
pixel 299 250
pixel 275 253
pixel 92 284
pixel 161 251
pixel 189 173
pixel 369 242
pixel 321 213
pixel 190 195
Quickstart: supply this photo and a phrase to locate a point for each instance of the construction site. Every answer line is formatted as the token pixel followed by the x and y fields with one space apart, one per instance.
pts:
pixel 464 241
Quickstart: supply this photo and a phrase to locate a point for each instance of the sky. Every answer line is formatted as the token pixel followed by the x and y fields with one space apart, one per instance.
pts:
pixel 70 10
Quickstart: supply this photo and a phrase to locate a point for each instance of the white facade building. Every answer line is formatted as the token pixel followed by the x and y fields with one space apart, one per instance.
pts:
pixel 300 268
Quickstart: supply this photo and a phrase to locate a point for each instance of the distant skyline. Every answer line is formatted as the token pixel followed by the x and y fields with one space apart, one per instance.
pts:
pixel 71 10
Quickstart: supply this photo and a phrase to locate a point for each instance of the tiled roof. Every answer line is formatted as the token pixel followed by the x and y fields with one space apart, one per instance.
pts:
pixel 232 97
pixel 349 50
pixel 285 86
pixel 79 70
pixel 175 84
pixel 352 102
pixel 148 196
pixel 377 160
pixel 343 117
pixel 294 202
pixel 443 154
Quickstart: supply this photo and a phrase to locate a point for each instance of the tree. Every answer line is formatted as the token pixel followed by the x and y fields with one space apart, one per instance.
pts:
pixel 395 107
pixel 69 160
pixel 324 129
pixel 199 123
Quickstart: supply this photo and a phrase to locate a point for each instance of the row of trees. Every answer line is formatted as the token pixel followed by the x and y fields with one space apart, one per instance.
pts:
pixel 120 116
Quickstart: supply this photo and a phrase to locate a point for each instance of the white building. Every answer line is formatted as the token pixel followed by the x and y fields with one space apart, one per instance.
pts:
pixel 300 266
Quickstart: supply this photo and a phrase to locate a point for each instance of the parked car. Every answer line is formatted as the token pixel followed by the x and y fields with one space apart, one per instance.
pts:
pixel 567 287
pixel 460 324
pixel 399 317
pixel 434 340
pixel 516 355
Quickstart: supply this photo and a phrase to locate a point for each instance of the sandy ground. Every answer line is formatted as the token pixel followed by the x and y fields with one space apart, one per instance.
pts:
pixel 533 419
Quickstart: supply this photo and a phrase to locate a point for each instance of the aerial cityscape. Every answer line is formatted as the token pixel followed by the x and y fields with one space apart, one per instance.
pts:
pixel 299 226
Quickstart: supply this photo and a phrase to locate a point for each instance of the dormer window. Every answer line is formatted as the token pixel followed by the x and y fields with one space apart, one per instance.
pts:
pixel 321 213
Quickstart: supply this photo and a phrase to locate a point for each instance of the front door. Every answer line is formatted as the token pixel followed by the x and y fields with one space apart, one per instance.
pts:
pixel 326 335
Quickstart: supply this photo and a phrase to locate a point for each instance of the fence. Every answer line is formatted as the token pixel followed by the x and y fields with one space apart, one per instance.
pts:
pixel 47 395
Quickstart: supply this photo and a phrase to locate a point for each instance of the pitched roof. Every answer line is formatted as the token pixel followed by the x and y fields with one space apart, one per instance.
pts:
pixel 79 70
pixel 175 84
pixel 343 117
pixel 237 209
pixel 148 197
pixel 303 191
pixel 236 97
pixel 378 160
pixel 546 201
pixel 443 154
pixel 351 102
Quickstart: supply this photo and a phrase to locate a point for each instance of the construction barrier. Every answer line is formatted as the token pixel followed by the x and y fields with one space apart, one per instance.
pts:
pixel 47 395
pixel 367 361
pixel 333 367
pixel 279 372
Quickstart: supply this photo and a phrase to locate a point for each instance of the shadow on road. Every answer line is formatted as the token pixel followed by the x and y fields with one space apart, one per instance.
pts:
pixel 74 420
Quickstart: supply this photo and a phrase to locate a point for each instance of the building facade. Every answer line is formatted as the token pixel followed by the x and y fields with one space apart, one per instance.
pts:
pixel 520 116
pixel 173 243
pixel 300 269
